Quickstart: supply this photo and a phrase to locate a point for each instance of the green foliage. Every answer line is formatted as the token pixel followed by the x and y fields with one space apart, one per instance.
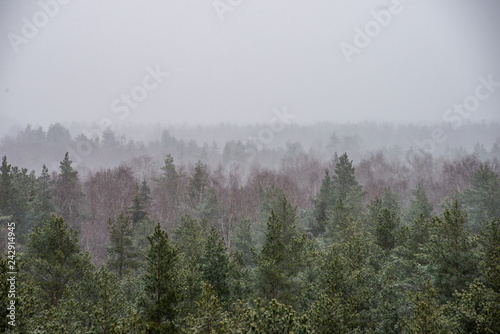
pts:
pixel 279 262
pixel 333 313
pixel 428 316
pixel 390 200
pixel 242 240
pixel 387 222
pixel 477 309
pixel 323 202
pixel 68 193
pixel 189 235
pixel 122 254
pixel 198 184
pixel 344 178
pixel 161 292
pixel 450 252
pixel 140 202
pixel 215 264
pixel 53 258
pixel 419 205
pixel 209 316
pixel 272 317
pixel 490 254
pixel 482 198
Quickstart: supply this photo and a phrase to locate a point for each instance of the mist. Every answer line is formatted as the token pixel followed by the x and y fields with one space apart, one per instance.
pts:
pixel 119 63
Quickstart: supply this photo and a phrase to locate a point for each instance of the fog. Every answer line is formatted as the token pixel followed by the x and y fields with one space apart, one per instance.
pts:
pixel 196 62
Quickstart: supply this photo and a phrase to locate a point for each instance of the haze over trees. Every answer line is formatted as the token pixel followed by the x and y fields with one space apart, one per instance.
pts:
pixel 173 237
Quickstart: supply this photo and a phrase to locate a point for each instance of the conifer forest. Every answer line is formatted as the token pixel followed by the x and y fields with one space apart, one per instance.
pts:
pixel 223 242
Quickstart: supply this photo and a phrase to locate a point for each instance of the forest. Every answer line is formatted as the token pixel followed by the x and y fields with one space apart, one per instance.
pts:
pixel 336 232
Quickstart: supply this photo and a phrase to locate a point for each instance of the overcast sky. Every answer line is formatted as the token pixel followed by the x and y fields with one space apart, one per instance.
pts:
pixel 234 61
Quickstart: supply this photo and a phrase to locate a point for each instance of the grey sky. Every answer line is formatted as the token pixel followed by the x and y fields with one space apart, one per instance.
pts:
pixel 263 55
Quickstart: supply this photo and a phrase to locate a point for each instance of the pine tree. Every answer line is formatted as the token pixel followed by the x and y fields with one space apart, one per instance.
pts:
pixel 68 193
pixel 450 252
pixel 390 200
pixel 387 223
pixel 215 264
pixel 420 205
pixel 333 313
pixel 6 188
pixel 121 250
pixel 166 192
pixel 242 241
pixel 161 293
pixel 490 254
pixel 279 262
pixel 54 257
pixel 428 317
pixel 198 183
pixel 269 317
pixel 140 202
pixel 209 316
pixel 44 205
pixel 323 202
pixel 109 305
pixel 482 198
pixel 189 237
pixel 344 178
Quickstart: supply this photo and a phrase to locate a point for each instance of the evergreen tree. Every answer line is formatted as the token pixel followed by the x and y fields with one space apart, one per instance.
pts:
pixel 68 193
pixel 198 183
pixel 54 257
pixel 387 223
pixel 390 200
pixel 323 202
pixel 482 198
pixel 333 313
pixel 344 180
pixel 140 202
pixel 428 317
pixel 419 205
pixel 209 316
pixel 122 254
pixel 161 293
pixel 215 264
pixel 6 188
pixel 490 255
pixel 44 205
pixel 166 193
pixel 477 309
pixel 270 317
pixel 242 241
pixel 189 236
pixel 279 262
pixel 451 252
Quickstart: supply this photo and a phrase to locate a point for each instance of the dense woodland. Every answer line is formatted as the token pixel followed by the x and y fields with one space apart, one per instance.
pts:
pixel 174 237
